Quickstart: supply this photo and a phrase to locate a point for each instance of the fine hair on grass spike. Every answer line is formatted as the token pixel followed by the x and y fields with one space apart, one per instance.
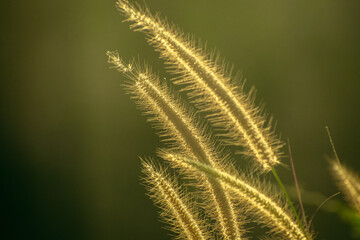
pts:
pixel 229 109
pixel 267 210
pixel 196 128
pixel 348 182
pixel 177 209
pixel 177 125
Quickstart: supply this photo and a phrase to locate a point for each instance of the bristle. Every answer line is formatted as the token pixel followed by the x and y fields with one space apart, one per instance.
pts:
pixel 230 109
pixel 177 208
pixel 179 126
pixel 266 209
pixel 348 182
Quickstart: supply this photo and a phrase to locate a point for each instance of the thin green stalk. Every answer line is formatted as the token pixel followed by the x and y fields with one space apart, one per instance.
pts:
pixel 289 201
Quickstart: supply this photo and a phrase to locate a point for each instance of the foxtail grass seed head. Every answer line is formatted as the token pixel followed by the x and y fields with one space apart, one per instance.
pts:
pixel 236 120
pixel 348 182
pixel 229 109
pixel 176 208
pixel 270 212
pixel 178 126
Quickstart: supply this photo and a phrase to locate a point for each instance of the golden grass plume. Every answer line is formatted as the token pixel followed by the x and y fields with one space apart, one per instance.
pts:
pixel 208 83
pixel 177 125
pixel 348 182
pixel 268 211
pixel 232 115
pixel 177 209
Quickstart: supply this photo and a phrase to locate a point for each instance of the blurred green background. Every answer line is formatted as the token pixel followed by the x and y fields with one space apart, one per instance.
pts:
pixel 70 137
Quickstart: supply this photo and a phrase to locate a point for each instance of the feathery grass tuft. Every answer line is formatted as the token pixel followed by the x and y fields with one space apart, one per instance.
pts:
pixel 177 208
pixel 236 120
pixel 269 211
pixel 178 126
pixel 228 107
pixel 348 182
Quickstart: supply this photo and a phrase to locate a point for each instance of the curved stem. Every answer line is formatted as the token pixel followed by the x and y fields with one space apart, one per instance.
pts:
pixel 289 201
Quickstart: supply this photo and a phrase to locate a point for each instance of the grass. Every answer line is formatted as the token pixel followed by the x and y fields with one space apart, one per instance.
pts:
pixel 212 199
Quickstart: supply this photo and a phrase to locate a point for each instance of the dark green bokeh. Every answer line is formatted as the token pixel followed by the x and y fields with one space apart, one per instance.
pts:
pixel 71 137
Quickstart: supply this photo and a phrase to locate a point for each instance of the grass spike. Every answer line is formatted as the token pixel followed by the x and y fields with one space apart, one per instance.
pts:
pixel 348 182
pixel 229 108
pixel 269 211
pixel 177 210
pixel 179 126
